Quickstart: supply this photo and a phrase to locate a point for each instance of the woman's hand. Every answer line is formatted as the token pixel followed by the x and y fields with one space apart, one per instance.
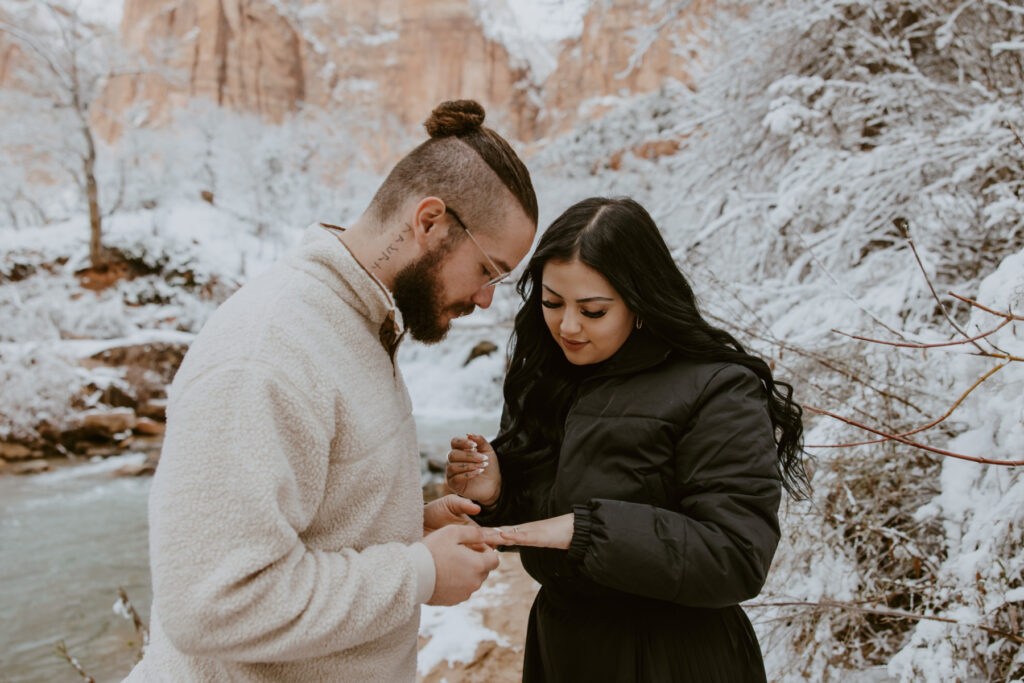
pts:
pixel 472 469
pixel 554 532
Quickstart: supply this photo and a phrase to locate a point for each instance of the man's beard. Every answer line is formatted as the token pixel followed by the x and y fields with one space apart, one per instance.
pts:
pixel 418 295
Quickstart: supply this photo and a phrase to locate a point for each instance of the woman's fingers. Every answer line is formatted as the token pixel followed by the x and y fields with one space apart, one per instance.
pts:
pixel 455 457
pixel 517 535
pixel 466 443
pixel 554 532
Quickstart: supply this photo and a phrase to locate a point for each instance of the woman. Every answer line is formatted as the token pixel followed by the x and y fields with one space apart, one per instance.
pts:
pixel 641 459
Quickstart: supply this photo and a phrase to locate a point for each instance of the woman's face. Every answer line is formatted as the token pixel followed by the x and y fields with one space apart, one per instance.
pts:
pixel 586 316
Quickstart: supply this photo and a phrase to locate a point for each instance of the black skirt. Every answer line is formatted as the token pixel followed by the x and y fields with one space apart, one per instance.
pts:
pixel 569 641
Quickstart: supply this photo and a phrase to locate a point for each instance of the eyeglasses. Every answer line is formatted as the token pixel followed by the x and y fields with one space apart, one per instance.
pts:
pixel 501 274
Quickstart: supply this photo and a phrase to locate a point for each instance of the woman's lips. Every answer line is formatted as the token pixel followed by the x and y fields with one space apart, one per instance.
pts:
pixel 573 345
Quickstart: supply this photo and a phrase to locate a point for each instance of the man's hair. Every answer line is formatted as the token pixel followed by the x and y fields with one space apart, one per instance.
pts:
pixel 451 166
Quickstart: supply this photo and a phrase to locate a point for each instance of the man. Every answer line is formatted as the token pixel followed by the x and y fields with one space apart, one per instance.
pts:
pixel 288 536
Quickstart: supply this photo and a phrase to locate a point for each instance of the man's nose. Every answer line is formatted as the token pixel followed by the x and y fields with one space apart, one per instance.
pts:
pixel 483 297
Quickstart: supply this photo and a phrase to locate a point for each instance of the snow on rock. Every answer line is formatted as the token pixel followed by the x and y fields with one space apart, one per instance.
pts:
pixel 531 29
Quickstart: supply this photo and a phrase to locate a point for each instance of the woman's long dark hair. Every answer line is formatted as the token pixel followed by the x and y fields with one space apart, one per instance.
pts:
pixel 618 239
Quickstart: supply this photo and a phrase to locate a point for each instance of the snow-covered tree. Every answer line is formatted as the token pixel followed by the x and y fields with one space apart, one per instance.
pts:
pixel 53 101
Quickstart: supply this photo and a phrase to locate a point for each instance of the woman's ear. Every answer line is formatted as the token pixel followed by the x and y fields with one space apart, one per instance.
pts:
pixel 428 223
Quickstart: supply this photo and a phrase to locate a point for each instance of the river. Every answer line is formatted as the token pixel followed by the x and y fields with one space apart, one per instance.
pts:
pixel 68 539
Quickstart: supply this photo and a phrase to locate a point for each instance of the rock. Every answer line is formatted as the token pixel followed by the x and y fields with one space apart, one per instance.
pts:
pixel 436 464
pixel 106 423
pixel 149 427
pixel 484 348
pixel 163 358
pixel 154 409
pixel 100 451
pixel 434 490
pixel 16 451
pixel 117 397
pixel 31 467
pixel 141 469
pixel 593 65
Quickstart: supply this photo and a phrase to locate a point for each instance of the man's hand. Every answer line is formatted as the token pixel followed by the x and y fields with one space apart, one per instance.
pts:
pixel 554 532
pixel 450 509
pixel 460 569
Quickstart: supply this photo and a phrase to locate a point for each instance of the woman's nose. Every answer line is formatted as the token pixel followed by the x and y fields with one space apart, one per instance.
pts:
pixel 570 323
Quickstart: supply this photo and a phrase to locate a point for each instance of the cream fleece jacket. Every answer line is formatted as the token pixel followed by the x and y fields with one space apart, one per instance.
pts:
pixel 286 510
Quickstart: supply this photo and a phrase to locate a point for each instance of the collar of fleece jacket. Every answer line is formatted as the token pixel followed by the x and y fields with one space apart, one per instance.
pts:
pixel 335 265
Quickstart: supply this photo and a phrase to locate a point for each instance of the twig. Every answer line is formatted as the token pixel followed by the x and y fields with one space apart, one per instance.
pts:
pixel 914 444
pixel 904 227
pixel 922 428
pixel 899 614
pixel 129 609
pixel 62 651
pixel 1015 133
pixel 909 345
pixel 824 361
pixel 972 302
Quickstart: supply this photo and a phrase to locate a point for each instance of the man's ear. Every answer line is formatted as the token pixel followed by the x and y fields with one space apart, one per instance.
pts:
pixel 429 223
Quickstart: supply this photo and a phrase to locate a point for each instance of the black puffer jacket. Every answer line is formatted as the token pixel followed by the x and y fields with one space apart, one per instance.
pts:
pixel 670 469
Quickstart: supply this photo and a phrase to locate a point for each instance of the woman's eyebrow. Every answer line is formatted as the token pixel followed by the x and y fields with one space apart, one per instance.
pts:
pixel 580 301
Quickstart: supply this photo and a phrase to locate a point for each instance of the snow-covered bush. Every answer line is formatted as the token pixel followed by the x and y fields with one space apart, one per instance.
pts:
pixel 821 131
pixel 38 388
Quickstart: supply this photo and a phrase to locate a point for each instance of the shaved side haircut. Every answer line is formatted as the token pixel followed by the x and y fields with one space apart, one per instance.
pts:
pixel 465 164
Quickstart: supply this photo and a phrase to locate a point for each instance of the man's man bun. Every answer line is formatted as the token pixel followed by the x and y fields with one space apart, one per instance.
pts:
pixel 455 117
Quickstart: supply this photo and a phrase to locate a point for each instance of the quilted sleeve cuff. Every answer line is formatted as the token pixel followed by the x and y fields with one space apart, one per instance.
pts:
pixel 580 532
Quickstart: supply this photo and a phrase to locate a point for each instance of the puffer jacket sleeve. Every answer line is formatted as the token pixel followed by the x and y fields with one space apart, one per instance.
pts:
pixel 241 478
pixel 715 549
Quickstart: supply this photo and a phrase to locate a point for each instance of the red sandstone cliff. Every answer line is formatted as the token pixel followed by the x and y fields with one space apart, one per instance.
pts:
pixel 387 58
pixel 396 57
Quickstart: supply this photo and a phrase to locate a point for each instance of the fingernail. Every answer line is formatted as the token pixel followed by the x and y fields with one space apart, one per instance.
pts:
pixel 480 471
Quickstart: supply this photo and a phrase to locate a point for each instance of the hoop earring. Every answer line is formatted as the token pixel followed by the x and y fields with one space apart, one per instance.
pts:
pixel 639 323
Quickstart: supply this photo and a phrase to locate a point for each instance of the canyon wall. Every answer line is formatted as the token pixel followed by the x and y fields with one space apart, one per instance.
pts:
pixel 389 59
pixel 385 60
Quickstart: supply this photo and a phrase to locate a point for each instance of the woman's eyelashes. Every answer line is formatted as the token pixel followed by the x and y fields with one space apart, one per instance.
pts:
pixel 558 304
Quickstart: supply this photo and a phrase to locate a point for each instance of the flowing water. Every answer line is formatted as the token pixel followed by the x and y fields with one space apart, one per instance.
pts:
pixel 68 540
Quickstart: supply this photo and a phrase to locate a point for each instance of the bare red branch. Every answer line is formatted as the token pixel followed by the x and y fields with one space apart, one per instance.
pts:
pixel 904 227
pixel 915 444
pixel 972 302
pixel 909 345
pixel 931 424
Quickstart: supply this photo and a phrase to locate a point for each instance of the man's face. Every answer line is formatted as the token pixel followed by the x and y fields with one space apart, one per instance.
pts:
pixel 419 295
pixel 451 281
